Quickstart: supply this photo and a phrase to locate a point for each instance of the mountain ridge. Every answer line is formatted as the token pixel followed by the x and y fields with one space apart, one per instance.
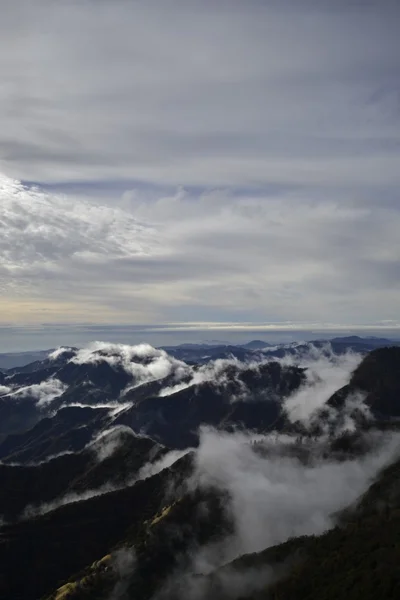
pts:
pixel 166 510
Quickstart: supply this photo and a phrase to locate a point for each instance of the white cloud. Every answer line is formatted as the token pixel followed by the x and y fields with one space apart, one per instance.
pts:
pixel 44 392
pixel 166 461
pixel 50 244
pixel 214 371
pixel 108 441
pixel 345 418
pixel 123 561
pixel 58 352
pixel 35 463
pixel 143 362
pixel 32 511
pixel 273 497
pixel 326 373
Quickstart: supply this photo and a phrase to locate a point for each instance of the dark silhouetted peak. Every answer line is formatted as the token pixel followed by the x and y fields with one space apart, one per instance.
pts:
pixel 380 368
pixel 377 378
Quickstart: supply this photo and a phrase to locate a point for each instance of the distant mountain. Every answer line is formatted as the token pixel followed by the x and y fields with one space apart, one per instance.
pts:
pixel 194 353
pixel 337 345
pixel 212 350
pixel 190 346
pixel 371 341
pixel 255 345
pixel 9 360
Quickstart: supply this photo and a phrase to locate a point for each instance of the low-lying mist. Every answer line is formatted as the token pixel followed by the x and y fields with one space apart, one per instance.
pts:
pixel 326 372
pixel 274 496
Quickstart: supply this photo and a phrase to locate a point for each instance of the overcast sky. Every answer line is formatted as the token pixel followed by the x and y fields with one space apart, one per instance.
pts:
pixel 173 161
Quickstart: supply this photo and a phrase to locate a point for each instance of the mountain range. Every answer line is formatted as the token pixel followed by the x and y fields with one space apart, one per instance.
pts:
pixel 202 471
pixel 217 349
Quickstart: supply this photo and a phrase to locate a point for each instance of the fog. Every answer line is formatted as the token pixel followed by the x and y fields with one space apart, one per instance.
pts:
pixel 274 497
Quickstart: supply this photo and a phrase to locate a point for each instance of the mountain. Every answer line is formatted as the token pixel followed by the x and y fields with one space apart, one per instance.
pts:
pixel 370 341
pixel 70 429
pixel 129 473
pixel 248 398
pixel 45 405
pixel 10 360
pixel 256 345
pixel 212 350
pixel 378 379
pixel 115 459
pixel 51 547
pixel 203 353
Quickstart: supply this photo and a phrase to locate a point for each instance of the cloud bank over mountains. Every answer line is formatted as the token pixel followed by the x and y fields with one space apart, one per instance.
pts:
pixel 117 376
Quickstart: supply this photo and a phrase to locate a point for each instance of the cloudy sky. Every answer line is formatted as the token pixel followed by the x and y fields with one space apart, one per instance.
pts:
pixel 168 162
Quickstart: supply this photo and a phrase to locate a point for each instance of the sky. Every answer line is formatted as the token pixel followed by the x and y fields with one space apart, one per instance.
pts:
pixel 198 166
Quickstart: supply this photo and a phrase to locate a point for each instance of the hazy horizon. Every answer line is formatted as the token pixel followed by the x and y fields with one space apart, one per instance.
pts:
pixel 20 339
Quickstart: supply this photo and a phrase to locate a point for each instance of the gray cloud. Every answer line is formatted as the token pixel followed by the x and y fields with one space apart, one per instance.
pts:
pixel 280 121
pixel 211 256
pixel 200 93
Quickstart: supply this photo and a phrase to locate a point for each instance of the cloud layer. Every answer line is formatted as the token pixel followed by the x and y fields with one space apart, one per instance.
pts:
pixel 199 161
pixel 211 257
pixel 193 92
